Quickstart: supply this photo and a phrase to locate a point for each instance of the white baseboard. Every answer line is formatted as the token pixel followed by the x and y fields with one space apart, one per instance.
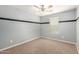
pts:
pixel 18 44
pixel 59 40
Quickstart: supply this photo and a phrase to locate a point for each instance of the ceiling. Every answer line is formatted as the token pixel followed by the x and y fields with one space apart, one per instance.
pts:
pixel 55 9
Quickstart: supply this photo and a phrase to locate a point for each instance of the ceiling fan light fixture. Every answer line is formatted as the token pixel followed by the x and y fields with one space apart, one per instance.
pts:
pixel 43 7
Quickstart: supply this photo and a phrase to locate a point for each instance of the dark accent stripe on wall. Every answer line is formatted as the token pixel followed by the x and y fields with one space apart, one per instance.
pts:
pixel 67 21
pixel 9 19
pixel 59 21
pixel 44 23
pixel 77 18
pixel 1 18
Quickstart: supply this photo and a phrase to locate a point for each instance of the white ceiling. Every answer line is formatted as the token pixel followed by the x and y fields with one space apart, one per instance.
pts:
pixel 55 9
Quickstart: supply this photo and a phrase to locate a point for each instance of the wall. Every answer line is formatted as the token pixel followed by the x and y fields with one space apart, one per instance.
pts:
pixel 9 11
pixel 77 27
pixel 17 31
pixel 66 31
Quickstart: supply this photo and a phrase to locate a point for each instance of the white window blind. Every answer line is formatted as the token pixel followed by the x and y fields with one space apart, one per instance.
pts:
pixel 54 24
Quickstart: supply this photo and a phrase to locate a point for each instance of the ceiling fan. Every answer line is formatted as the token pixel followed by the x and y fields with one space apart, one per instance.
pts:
pixel 44 7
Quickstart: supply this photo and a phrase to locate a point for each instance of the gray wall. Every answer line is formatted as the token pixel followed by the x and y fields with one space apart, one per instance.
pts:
pixel 17 31
pixel 66 30
pixel 77 27
pixel 15 13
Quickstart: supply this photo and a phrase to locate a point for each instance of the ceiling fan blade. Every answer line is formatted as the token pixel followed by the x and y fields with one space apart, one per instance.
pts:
pixel 37 7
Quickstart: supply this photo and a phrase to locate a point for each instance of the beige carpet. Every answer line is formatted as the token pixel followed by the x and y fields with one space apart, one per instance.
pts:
pixel 44 46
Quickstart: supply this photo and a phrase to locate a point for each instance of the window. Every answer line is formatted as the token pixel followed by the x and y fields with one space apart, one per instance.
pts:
pixel 54 24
